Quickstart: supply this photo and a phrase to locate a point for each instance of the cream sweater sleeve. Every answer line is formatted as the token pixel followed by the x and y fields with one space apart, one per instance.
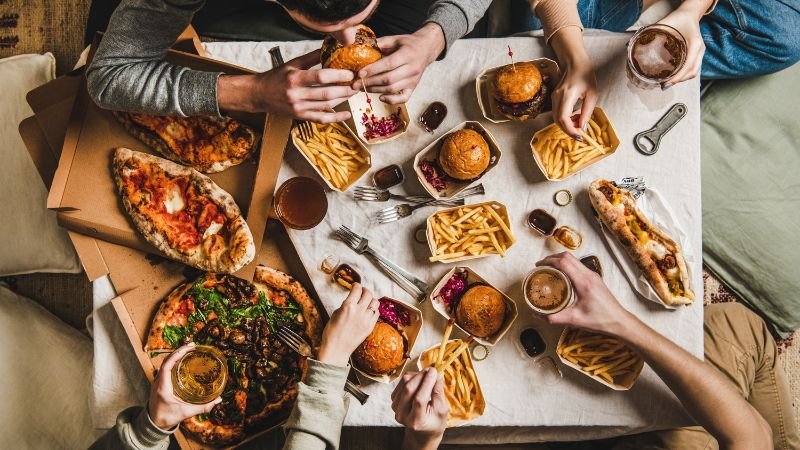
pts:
pixel 555 15
pixel 134 431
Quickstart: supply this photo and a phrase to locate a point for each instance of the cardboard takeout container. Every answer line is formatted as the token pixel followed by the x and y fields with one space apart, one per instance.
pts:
pixel 358 106
pixel 487 102
pixel 411 331
pixel 431 153
pixel 354 177
pixel 83 192
pixel 499 208
pixel 623 383
pixel 472 279
pixel 600 117
pixel 428 357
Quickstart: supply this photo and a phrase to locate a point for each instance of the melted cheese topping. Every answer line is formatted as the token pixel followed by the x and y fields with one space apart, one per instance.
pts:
pixel 173 200
pixel 656 249
pixel 212 229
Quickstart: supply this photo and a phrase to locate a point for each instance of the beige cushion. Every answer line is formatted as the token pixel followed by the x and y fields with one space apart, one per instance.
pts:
pixel 46 373
pixel 30 238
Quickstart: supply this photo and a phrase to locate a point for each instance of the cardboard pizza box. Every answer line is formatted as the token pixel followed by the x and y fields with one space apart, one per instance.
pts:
pixel 83 191
pixel 137 307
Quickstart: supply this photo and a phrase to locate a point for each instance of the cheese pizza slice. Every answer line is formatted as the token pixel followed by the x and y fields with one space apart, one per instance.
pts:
pixel 182 212
pixel 656 254
pixel 207 144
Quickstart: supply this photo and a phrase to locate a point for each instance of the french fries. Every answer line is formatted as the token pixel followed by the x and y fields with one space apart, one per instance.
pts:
pixel 472 230
pixel 599 356
pixel 561 156
pixel 461 388
pixel 333 151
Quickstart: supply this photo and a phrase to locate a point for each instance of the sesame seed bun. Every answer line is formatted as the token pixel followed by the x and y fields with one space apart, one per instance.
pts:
pixel 464 154
pixel 481 311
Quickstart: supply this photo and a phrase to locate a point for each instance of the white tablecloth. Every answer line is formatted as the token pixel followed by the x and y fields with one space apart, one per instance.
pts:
pixel 519 408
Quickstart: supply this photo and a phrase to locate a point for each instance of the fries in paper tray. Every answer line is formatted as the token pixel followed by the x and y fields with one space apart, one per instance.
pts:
pixel 602 358
pixel 469 232
pixel 334 153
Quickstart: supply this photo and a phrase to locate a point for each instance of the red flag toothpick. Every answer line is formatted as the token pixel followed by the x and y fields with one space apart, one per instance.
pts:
pixel 511 55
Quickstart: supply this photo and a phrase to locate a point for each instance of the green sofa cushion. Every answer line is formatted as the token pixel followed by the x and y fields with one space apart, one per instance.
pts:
pixel 751 192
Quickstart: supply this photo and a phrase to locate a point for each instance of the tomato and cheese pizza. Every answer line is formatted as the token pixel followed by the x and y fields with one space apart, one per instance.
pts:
pixel 207 144
pixel 241 319
pixel 182 212
pixel 657 255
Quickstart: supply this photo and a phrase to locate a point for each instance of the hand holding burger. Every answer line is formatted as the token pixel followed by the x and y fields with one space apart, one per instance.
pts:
pixel 349 326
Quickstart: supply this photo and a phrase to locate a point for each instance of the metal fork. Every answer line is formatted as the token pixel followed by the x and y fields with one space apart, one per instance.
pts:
pixel 391 214
pixel 306 130
pixel 372 194
pixel 299 345
pixel 402 277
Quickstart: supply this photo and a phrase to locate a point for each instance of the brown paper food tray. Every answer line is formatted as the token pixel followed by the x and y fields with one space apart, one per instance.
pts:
pixel 431 152
pixel 486 101
pixel 599 116
pixel 624 384
pixel 136 307
pixel 411 331
pixel 357 105
pixel 472 278
pixel 501 210
pixel 481 407
pixel 354 177
pixel 83 190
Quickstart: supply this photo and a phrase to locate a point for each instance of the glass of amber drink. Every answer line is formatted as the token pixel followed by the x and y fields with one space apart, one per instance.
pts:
pixel 200 375
pixel 655 54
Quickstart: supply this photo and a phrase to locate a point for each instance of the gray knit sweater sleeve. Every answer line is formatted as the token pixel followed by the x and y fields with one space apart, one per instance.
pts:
pixel 128 71
pixel 457 17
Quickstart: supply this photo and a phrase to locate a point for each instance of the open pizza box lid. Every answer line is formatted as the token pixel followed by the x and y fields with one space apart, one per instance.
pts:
pixel 83 191
pixel 426 359
pixel 411 331
pixel 354 177
pixel 137 307
pixel 486 101
pixel 623 383
pixel 600 117
pixel 431 153
pixel 498 207
pixel 358 107
pixel 473 278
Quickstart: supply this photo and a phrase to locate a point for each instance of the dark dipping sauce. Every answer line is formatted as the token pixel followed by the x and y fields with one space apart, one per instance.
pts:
pixel 542 222
pixel 300 203
pixel 346 276
pixel 388 176
pixel 433 116
pixel 593 263
pixel 532 342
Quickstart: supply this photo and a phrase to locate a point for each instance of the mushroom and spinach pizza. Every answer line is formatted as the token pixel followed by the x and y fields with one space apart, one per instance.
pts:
pixel 182 212
pixel 656 254
pixel 241 319
pixel 208 144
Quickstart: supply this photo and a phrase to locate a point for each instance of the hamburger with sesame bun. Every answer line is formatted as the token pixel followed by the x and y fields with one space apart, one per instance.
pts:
pixel 354 57
pixel 481 311
pixel 383 351
pixel 464 155
pixel 519 90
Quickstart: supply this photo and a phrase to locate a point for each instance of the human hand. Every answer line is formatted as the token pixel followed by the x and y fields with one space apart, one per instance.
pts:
pixel 577 82
pixel 165 409
pixel 349 326
pixel 686 19
pixel 595 307
pixel 293 89
pixel 419 404
pixel 406 57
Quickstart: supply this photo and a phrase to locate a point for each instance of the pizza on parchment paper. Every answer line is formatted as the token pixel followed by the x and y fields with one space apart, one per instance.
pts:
pixel 241 319
pixel 656 254
pixel 182 212
pixel 207 144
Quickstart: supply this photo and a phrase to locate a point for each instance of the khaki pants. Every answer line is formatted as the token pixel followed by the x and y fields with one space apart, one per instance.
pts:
pixel 738 344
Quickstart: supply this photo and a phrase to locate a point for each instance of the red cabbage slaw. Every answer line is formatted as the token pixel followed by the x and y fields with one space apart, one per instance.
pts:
pixel 391 312
pixel 433 175
pixel 452 290
pixel 377 127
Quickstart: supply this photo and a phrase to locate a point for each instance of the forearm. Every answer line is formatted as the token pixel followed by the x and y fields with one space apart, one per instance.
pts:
pixel 568 46
pixel 416 441
pixel 316 420
pixel 128 71
pixel 134 431
pixel 556 15
pixel 710 398
pixel 456 18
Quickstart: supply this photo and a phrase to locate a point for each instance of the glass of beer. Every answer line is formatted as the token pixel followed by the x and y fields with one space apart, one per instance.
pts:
pixel 655 54
pixel 300 203
pixel 548 290
pixel 200 375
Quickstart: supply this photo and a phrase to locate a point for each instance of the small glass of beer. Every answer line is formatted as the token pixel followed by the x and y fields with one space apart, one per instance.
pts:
pixel 655 54
pixel 200 375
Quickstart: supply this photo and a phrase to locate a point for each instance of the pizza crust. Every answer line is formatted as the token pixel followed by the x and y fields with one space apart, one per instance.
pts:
pixel 614 219
pixel 155 340
pixel 154 141
pixel 240 248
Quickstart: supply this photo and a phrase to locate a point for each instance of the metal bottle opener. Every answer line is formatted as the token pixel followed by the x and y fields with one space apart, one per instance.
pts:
pixel 652 137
